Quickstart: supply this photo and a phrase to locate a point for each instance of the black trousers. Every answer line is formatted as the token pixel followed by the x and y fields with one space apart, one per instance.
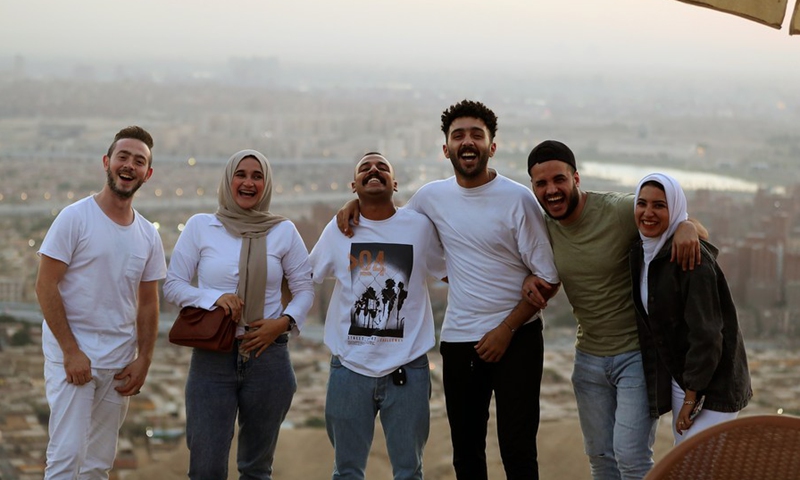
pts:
pixel 516 381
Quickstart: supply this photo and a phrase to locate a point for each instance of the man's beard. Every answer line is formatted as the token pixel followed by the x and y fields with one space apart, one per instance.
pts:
pixel 572 204
pixel 481 162
pixel 125 194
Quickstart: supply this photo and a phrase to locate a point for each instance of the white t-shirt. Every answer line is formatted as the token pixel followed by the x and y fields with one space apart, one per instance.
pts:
pixel 206 249
pixel 379 316
pixel 106 262
pixel 494 236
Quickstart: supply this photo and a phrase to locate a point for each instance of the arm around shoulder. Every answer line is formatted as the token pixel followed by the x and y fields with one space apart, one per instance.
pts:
pixel 349 213
pixel 701 230
pixel 686 244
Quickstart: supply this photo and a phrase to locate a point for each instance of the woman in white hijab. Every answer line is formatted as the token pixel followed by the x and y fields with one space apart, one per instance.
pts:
pixel 692 347
pixel 240 255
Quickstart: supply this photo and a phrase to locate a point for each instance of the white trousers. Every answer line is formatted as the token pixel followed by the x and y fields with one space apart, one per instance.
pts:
pixel 84 424
pixel 706 418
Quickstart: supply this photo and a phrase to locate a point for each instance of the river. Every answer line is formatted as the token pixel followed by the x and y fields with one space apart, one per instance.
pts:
pixel 629 176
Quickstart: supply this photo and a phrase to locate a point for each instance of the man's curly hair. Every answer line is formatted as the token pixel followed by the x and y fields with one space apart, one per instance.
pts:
pixel 468 108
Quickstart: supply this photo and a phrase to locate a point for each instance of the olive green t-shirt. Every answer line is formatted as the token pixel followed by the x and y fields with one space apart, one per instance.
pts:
pixel 591 256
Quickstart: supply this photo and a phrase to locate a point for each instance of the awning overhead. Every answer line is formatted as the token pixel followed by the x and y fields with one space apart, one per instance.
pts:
pixel 768 12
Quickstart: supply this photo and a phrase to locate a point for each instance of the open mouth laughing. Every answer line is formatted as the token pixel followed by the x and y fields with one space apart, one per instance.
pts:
pixel 374 179
pixel 247 193
pixel 468 154
pixel 127 176
pixel 556 200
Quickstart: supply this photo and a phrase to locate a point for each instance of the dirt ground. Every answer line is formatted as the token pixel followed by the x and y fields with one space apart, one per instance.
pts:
pixel 306 454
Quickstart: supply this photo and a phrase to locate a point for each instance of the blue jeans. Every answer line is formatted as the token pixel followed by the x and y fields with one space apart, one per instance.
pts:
pixel 516 381
pixel 618 433
pixel 352 403
pixel 220 386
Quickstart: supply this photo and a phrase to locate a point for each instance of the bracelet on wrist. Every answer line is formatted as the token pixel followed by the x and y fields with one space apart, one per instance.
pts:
pixel 292 323
pixel 509 326
pixel 689 402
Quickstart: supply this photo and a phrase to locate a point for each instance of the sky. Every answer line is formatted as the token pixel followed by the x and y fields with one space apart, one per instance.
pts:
pixel 483 37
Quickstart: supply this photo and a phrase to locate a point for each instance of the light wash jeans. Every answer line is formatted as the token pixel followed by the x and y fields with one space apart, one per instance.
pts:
pixel 84 423
pixel 219 386
pixel 618 433
pixel 352 403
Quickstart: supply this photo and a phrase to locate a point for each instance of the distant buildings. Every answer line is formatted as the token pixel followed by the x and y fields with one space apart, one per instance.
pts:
pixel 760 254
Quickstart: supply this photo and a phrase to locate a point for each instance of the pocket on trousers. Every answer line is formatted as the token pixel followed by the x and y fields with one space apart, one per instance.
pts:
pixel 335 362
pixel 420 362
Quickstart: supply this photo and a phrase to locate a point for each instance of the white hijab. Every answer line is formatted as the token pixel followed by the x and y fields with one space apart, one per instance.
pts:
pixel 676 202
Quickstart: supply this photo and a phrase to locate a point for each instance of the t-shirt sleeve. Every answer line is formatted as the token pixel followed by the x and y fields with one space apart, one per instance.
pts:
pixel 61 239
pixel 156 266
pixel 625 205
pixel 434 254
pixel 534 243
pixel 418 201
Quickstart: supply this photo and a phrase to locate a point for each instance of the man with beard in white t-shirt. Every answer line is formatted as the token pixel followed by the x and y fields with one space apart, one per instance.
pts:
pixel 97 286
pixel 379 326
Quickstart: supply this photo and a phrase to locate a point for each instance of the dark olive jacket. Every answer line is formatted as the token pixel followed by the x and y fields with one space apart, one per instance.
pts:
pixel 691 333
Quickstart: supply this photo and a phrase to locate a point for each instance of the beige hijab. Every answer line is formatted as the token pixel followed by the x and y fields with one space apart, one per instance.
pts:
pixel 252 225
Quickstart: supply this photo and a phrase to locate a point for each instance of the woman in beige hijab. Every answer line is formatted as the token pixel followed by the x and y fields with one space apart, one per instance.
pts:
pixel 240 256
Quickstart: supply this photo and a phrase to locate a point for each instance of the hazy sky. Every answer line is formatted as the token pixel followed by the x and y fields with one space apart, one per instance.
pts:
pixel 471 35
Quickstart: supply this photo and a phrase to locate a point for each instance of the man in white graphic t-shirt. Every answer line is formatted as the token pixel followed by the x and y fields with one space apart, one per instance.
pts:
pixel 379 325
pixel 494 236
pixel 97 286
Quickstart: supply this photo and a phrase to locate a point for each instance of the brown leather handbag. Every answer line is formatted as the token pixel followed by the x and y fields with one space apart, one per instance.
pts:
pixel 205 329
